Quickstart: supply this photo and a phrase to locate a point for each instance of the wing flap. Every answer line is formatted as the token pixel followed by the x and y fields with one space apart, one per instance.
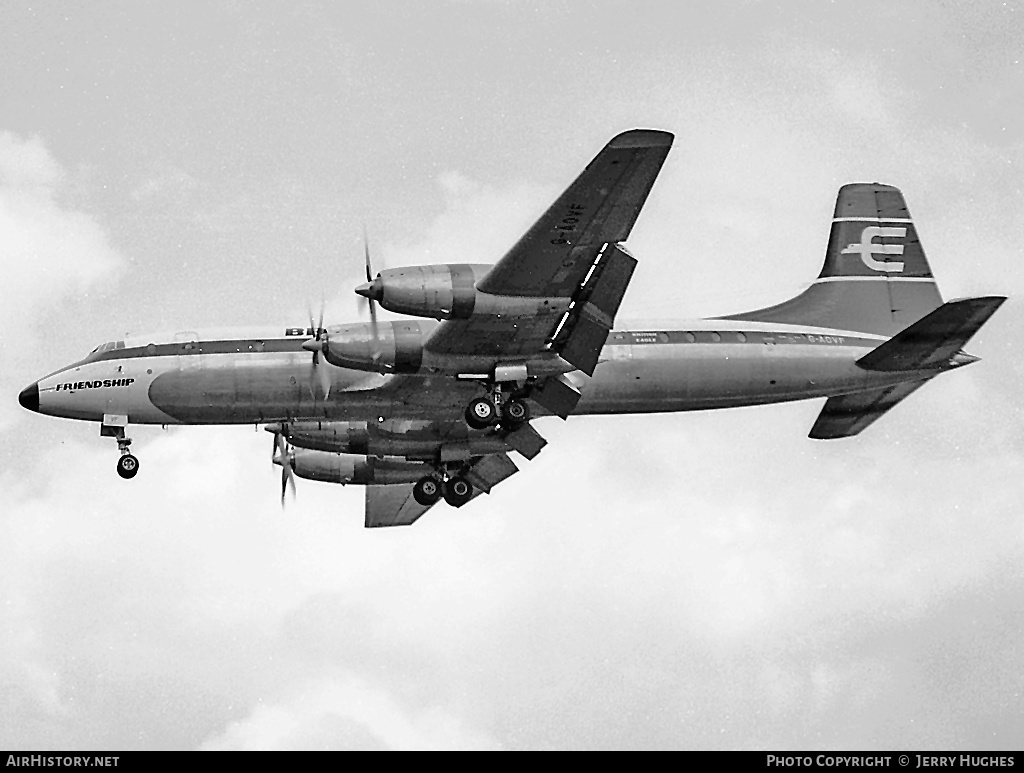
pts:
pixel 848 415
pixel 558 394
pixel 593 314
pixel 526 440
pixel 491 470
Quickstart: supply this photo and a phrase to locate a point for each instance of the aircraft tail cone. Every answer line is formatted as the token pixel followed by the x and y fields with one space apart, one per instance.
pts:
pixel 962 358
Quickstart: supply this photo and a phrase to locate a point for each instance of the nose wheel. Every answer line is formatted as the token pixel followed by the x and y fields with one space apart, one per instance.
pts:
pixel 127 465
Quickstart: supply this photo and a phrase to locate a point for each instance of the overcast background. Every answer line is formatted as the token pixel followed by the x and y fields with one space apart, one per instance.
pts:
pixel 704 580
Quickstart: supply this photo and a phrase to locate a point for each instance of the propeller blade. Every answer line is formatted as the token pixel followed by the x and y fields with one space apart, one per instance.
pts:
pixel 282 456
pixel 366 253
pixel 319 374
pixel 320 324
pixel 324 378
pixel 369 297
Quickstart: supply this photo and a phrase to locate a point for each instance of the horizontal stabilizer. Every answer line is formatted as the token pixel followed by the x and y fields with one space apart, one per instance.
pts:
pixel 935 339
pixel 847 415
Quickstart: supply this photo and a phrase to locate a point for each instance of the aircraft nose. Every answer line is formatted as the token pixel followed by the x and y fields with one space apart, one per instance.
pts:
pixel 29 397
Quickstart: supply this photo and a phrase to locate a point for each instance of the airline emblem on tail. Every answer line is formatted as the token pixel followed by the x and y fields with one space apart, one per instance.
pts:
pixel 867 248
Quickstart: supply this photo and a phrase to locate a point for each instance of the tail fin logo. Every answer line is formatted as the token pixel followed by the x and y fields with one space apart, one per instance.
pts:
pixel 867 248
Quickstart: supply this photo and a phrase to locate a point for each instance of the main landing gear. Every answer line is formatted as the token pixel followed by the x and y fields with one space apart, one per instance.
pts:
pixel 484 412
pixel 127 465
pixel 455 489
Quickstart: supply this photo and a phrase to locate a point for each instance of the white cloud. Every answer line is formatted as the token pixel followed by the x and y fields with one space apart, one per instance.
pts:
pixel 48 251
pixel 345 714
pixel 478 225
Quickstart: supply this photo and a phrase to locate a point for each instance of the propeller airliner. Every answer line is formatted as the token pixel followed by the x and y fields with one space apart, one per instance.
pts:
pixel 430 407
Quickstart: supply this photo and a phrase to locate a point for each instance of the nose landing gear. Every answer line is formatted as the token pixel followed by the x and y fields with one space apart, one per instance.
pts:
pixel 127 465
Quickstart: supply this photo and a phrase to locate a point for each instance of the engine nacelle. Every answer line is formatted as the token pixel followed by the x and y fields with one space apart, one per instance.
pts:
pixel 346 437
pixel 393 347
pixel 358 470
pixel 354 437
pixel 448 291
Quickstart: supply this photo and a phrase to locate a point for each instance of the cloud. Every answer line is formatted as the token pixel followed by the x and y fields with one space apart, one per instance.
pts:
pixel 49 252
pixel 479 223
pixel 344 714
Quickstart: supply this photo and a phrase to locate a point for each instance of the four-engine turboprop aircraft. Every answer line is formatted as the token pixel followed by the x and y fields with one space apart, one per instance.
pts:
pixel 421 409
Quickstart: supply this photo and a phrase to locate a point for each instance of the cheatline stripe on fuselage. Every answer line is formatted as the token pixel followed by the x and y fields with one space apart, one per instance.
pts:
pixel 875 279
pixel 872 220
pixel 654 336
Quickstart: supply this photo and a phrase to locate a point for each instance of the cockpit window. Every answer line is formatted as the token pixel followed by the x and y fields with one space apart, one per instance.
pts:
pixel 107 347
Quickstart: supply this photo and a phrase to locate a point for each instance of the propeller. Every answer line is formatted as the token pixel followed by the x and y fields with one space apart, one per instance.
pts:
pixel 371 293
pixel 320 372
pixel 282 455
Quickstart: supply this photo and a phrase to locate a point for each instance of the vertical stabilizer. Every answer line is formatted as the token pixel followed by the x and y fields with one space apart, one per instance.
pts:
pixel 875 278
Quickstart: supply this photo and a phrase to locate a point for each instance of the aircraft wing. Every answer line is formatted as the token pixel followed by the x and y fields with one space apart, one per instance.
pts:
pixel 600 206
pixel 394 505
pixel 571 252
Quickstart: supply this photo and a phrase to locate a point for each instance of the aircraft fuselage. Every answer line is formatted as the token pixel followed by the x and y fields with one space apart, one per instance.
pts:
pixel 252 377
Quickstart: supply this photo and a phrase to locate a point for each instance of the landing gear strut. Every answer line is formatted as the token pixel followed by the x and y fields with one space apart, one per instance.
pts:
pixel 127 465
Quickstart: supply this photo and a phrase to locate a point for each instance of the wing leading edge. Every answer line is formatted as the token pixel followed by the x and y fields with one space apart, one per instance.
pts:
pixel 600 206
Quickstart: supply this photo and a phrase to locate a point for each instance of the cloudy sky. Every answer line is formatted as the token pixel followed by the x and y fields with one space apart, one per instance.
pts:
pixel 704 580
